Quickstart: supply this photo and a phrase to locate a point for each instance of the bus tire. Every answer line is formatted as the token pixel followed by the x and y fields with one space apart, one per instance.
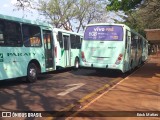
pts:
pixel 76 63
pixel 32 73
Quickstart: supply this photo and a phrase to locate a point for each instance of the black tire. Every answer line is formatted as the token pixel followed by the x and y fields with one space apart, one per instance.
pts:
pixel 76 63
pixel 32 73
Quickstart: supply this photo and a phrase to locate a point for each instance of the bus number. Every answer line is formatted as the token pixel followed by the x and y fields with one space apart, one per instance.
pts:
pixel 93 34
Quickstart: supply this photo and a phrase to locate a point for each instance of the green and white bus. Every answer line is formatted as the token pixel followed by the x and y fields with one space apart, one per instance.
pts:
pixel 67 48
pixel 112 46
pixel 26 48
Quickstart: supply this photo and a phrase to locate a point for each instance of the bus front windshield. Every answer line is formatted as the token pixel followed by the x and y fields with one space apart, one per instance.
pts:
pixel 104 33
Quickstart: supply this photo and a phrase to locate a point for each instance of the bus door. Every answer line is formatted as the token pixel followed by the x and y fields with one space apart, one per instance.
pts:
pixel 67 51
pixel 48 46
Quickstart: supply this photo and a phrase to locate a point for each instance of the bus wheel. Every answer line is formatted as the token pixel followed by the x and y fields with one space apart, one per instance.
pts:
pixel 31 73
pixel 76 63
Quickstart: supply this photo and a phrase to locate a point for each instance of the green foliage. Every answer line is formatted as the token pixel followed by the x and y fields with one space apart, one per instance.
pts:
pixel 58 11
pixel 124 5
pixel 142 14
pixel 135 21
pixel 146 17
pixel 62 13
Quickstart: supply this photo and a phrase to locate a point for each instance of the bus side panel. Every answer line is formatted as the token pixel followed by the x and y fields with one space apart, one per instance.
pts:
pixel 16 60
pixel 6 68
pixel 74 53
pixel 127 56
pixel 13 64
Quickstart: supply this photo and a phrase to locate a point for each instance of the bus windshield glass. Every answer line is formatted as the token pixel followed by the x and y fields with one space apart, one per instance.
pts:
pixel 104 33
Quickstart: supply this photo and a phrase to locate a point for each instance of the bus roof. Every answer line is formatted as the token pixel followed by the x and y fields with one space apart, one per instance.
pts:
pixel 107 24
pixel 21 20
pixel 65 31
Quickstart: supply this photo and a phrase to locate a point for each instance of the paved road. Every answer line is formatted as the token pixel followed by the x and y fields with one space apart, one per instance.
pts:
pixel 54 91
pixel 137 97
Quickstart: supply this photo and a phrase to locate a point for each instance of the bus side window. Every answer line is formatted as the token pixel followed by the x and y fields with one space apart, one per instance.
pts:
pixel 10 33
pixel 60 39
pixel 81 40
pixel 47 36
pixel 78 42
pixel 31 36
pixel 66 42
pixel 126 41
pixel 138 42
pixel 1 33
pixel 73 41
pixel 134 40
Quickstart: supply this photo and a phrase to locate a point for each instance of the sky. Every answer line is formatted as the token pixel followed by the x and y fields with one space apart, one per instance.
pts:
pixel 7 8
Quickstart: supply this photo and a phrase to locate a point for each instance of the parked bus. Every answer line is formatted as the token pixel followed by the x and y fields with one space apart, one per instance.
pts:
pixel 26 48
pixel 112 46
pixel 67 48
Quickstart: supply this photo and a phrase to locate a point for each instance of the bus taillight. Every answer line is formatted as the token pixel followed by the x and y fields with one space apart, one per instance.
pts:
pixel 83 57
pixel 119 59
pixel 120 55
pixel 55 51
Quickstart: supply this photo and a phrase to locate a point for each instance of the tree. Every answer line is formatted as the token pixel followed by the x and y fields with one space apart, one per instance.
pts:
pixel 146 17
pixel 88 11
pixel 135 21
pixel 23 4
pixel 150 13
pixel 59 12
pixel 141 14
pixel 124 5
pixel 71 13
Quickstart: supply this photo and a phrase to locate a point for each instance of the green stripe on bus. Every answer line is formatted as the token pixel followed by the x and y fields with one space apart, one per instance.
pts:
pixel 62 52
